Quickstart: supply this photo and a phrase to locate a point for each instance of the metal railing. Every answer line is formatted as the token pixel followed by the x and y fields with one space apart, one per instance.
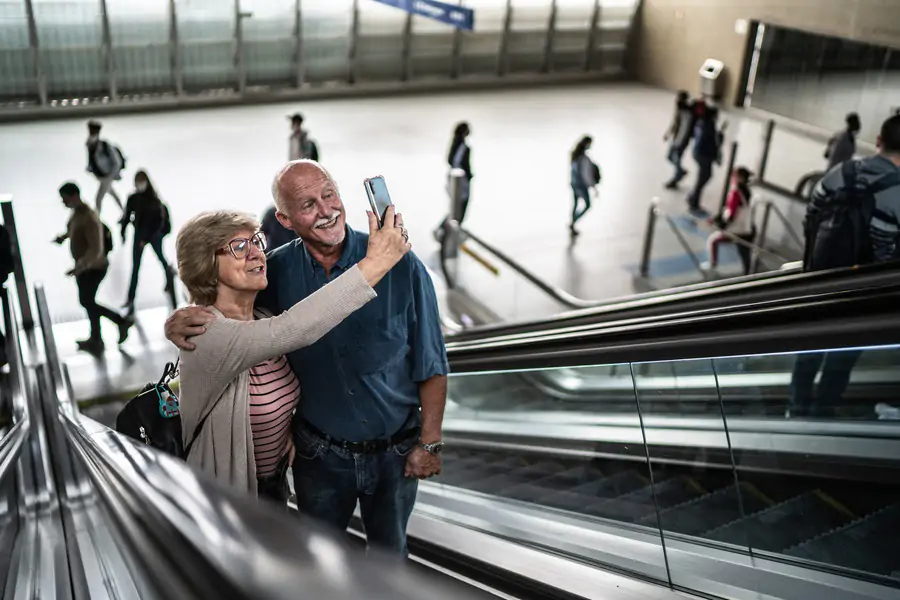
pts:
pixel 455 237
pixel 9 221
pixel 656 213
pixel 12 442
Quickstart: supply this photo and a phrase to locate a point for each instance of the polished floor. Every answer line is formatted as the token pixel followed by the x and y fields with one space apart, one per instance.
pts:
pixel 521 201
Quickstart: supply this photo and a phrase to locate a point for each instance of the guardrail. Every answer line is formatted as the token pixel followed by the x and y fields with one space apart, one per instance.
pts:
pixel 12 442
pixel 656 213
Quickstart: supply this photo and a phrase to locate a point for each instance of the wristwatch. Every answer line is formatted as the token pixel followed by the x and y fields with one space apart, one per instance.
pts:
pixel 434 448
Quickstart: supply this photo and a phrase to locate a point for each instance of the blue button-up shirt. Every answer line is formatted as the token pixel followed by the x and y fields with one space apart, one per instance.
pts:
pixel 360 381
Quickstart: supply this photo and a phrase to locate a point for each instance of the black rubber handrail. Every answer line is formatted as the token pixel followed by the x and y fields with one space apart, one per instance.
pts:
pixel 724 296
pixel 840 319
pixel 12 442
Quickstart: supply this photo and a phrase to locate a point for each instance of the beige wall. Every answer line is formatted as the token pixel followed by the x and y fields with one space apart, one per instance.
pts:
pixel 673 37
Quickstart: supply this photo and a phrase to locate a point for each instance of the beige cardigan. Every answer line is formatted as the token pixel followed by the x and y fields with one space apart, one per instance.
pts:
pixel 215 376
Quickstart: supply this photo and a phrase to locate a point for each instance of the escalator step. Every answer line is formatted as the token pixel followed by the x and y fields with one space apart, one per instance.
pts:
pixel 870 544
pixel 785 524
pixel 582 497
pixel 501 483
pixel 467 472
pixel 709 511
pixel 639 504
pixel 565 480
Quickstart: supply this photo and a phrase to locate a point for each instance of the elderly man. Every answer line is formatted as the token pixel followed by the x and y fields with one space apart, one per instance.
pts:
pixel 369 424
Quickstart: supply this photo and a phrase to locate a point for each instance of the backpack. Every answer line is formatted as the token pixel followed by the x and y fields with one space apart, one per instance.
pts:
pixel 107 239
pixel 838 234
pixel 111 148
pixel 153 417
pixel 166 227
pixel 595 172
pixel 312 151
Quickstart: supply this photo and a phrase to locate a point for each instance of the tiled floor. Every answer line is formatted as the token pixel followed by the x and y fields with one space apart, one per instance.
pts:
pixel 225 158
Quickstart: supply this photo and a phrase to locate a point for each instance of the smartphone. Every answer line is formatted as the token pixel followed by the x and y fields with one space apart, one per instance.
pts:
pixel 379 198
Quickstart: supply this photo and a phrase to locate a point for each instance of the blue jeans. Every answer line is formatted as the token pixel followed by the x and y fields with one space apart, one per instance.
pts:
pixel 137 254
pixel 580 193
pixel 704 174
pixel 836 368
pixel 329 481
pixel 674 157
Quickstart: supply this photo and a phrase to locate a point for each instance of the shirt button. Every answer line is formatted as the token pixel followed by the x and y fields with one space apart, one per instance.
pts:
pixel 364 422
pixel 350 392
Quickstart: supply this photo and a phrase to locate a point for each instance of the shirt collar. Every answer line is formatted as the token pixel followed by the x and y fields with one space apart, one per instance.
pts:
pixel 349 257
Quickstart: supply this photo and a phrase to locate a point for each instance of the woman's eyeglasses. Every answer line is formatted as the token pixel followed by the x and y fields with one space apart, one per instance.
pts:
pixel 240 247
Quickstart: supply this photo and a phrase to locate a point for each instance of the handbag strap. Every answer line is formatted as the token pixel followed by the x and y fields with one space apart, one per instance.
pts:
pixel 170 372
pixel 197 430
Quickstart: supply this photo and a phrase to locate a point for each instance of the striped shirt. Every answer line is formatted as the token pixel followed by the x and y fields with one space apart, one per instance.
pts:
pixel 274 392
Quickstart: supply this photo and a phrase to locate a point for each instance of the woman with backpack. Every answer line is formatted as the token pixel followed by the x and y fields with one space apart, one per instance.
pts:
pixel 150 218
pixel 584 175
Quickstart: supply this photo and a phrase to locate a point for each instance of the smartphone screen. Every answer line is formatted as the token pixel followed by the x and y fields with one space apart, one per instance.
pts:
pixel 379 198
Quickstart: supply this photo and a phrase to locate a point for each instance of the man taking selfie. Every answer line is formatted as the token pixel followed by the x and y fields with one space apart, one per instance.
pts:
pixel 368 426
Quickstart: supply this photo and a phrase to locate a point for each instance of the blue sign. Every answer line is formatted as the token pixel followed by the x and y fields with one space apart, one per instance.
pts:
pixel 458 16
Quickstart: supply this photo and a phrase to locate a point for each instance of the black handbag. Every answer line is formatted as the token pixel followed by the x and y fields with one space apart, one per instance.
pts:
pixel 154 417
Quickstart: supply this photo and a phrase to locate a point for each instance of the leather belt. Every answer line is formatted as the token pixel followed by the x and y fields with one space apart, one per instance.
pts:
pixel 364 447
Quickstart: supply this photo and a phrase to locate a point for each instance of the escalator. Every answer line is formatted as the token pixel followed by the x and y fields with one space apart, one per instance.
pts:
pixel 656 441
pixel 638 446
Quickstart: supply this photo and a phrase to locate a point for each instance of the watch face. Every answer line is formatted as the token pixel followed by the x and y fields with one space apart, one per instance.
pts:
pixel 434 448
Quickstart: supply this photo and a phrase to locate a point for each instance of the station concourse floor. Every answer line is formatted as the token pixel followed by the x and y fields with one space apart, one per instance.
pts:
pixel 225 158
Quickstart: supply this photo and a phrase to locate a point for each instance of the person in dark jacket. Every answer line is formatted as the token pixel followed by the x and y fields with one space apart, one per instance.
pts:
pixel 150 218
pixel 459 157
pixel 707 148
pixel 277 235
pixel 842 145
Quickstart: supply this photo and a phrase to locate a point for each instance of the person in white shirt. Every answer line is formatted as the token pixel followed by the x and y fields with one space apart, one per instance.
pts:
pixel 105 162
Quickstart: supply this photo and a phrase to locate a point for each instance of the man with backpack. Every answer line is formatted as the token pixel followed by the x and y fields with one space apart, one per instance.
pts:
pixel 852 219
pixel 105 162
pixel 300 145
pixel 89 242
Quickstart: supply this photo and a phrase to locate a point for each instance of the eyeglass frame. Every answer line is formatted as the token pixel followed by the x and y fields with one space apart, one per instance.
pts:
pixel 228 247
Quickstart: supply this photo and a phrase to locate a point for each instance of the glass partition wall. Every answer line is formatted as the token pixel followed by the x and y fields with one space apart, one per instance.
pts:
pixel 818 79
pixel 57 52
pixel 777 463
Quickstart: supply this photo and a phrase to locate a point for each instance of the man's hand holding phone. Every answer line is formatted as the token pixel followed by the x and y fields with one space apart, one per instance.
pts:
pixel 387 245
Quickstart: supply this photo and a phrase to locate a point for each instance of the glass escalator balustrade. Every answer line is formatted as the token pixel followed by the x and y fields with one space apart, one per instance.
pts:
pixel 795 457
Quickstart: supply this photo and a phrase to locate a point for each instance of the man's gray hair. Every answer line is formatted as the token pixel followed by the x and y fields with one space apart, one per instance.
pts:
pixel 276 183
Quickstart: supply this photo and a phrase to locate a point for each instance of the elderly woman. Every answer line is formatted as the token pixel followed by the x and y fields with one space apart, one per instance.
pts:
pixel 237 391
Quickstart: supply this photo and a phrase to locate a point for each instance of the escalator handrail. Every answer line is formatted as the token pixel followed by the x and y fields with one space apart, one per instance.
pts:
pixel 657 320
pixel 196 539
pixel 12 443
pixel 573 302
pixel 722 295
pixel 60 383
pixel 856 318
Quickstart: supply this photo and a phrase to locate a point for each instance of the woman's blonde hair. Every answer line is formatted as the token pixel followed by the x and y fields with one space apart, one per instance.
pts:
pixel 196 248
